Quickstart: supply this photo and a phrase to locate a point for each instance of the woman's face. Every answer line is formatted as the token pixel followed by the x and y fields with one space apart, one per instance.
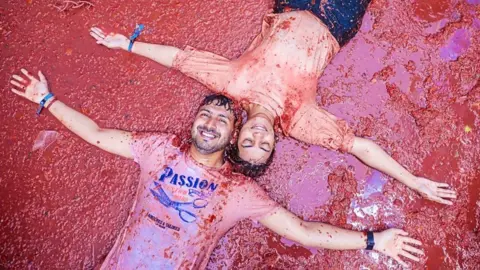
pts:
pixel 256 140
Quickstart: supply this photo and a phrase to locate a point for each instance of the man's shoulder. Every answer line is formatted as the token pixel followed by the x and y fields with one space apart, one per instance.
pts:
pixel 156 138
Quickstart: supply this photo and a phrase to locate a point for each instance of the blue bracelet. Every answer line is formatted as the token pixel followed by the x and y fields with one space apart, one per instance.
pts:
pixel 134 36
pixel 42 103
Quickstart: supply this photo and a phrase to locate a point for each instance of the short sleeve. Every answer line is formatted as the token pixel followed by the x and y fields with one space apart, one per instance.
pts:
pixel 214 71
pixel 254 202
pixel 319 127
pixel 145 145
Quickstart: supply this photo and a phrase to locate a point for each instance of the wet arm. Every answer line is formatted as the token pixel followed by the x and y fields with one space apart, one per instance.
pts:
pixel 313 234
pixel 161 54
pixel 374 156
pixel 111 140
pixel 391 242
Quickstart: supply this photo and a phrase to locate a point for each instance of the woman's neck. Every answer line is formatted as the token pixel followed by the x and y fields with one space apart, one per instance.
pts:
pixel 255 110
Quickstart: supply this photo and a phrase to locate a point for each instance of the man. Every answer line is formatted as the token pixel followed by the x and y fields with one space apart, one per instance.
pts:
pixel 188 198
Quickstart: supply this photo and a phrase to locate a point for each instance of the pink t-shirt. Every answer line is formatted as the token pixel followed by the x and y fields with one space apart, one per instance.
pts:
pixel 279 71
pixel 182 208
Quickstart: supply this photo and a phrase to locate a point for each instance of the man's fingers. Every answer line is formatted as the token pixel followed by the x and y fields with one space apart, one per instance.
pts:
pixel 400 261
pixel 25 72
pixel 401 232
pixel 17 84
pixel 410 256
pixel 18 92
pixel 42 77
pixel 412 249
pixel 443 185
pixel 411 241
pixel 19 78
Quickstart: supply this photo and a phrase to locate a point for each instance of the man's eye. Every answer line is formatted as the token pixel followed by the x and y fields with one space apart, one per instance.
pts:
pixel 203 114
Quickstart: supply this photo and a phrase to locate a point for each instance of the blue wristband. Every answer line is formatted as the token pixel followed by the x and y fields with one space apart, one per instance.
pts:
pixel 134 36
pixel 43 101
pixel 370 241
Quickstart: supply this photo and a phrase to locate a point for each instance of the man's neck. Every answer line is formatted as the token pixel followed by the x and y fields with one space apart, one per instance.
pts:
pixel 254 110
pixel 214 160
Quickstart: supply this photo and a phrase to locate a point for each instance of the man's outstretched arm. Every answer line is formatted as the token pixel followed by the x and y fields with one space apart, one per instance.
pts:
pixel 374 156
pixel 161 54
pixel 392 242
pixel 113 141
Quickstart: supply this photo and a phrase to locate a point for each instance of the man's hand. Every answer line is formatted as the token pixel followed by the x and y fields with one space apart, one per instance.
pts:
pixel 434 191
pixel 35 90
pixel 394 242
pixel 112 41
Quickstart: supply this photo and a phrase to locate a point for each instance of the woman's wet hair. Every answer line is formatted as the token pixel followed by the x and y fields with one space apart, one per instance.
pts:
pixel 244 167
pixel 221 100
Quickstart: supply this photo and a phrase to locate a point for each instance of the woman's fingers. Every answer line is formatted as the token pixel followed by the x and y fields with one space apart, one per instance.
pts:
pixel 25 72
pixel 443 185
pixel 102 42
pixel 17 84
pixel 96 36
pixel 443 201
pixel 98 31
pixel 447 195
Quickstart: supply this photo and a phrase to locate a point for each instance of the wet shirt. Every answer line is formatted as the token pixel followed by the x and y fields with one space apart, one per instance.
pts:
pixel 181 209
pixel 279 71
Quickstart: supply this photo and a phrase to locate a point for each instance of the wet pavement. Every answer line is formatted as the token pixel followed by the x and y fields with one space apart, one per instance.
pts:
pixel 409 80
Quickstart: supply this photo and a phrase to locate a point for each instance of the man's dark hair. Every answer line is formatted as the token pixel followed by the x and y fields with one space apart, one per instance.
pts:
pixel 244 167
pixel 221 100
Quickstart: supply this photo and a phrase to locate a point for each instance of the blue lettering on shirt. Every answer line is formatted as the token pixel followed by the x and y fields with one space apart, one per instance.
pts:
pixel 179 179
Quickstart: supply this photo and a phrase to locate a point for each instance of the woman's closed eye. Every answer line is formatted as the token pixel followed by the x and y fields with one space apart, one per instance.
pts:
pixel 265 147
pixel 247 143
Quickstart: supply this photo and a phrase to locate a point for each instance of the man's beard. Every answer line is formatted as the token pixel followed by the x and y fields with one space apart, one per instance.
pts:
pixel 208 147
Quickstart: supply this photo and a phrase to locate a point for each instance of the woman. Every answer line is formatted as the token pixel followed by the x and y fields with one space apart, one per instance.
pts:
pixel 275 81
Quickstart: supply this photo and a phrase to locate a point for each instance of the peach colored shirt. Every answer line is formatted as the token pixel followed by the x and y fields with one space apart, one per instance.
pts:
pixel 279 71
pixel 182 208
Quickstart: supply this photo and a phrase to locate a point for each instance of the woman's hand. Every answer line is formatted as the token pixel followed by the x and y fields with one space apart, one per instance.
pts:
pixel 112 41
pixel 394 242
pixel 30 88
pixel 435 191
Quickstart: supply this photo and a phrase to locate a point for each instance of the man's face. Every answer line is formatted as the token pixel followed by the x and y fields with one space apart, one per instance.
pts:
pixel 212 128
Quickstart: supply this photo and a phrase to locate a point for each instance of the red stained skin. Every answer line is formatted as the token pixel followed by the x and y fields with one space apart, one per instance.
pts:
pixel 63 208
pixel 285 25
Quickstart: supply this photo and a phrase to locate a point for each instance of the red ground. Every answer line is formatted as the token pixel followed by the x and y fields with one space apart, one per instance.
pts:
pixel 63 208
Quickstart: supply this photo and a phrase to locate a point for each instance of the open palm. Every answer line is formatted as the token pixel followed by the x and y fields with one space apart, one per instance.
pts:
pixel 435 191
pixel 396 243
pixel 112 41
pixel 33 89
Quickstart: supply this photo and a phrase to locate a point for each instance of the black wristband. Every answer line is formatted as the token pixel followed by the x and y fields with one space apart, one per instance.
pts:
pixel 370 241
